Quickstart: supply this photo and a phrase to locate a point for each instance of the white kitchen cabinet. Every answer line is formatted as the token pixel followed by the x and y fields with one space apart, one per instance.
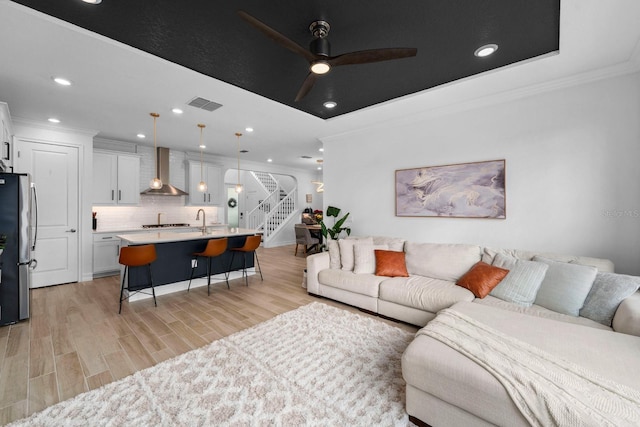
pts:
pixel 6 133
pixel 116 179
pixel 106 252
pixel 213 176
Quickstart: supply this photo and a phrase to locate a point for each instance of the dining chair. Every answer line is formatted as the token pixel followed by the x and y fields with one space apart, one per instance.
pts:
pixel 304 238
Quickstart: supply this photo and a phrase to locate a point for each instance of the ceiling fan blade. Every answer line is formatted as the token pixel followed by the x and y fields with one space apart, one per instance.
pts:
pixel 279 38
pixel 372 55
pixel 306 86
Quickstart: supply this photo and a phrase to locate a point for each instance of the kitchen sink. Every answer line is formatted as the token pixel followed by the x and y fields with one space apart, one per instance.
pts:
pixel 165 225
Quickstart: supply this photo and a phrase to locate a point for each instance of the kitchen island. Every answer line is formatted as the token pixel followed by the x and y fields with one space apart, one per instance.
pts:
pixel 172 268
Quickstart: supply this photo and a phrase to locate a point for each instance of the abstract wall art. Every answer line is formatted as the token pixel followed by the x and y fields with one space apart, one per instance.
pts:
pixel 465 190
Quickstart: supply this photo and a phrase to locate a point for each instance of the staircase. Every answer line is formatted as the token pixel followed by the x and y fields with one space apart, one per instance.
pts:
pixel 275 209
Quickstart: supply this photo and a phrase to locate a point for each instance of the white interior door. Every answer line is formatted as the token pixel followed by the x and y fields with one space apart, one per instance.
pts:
pixel 54 171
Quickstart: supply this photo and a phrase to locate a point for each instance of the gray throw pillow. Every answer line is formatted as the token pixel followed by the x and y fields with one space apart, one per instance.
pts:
pixel 607 292
pixel 565 286
pixel 521 285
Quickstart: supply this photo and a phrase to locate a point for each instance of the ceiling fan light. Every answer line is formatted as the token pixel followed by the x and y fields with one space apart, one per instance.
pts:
pixel 486 50
pixel 320 67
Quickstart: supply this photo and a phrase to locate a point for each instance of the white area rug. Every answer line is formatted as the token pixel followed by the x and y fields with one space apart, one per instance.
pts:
pixel 314 366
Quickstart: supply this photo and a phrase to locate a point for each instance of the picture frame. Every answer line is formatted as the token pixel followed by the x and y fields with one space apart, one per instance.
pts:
pixel 462 190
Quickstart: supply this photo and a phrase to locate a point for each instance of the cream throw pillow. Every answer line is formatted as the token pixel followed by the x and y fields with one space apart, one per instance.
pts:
pixel 365 257
pixel 347 259
pixel 334 254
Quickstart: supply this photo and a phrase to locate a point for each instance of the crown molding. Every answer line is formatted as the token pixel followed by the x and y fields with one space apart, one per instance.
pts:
pixel 629 67
pixel 19 121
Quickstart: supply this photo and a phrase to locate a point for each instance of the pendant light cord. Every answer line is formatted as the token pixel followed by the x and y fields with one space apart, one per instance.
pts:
pixel 238 134
pixel 155 148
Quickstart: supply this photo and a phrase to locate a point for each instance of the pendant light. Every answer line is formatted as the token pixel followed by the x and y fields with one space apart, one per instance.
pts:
pixel 203 185
pixel 155 183
pixel 238 185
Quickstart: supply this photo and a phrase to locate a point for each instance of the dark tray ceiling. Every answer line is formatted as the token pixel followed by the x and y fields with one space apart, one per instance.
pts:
pixel 210 38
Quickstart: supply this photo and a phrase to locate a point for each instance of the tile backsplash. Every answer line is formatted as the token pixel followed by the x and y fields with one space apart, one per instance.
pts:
pixel 133 217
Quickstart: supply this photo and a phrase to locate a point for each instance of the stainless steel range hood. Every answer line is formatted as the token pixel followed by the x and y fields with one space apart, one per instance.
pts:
pixel 163 172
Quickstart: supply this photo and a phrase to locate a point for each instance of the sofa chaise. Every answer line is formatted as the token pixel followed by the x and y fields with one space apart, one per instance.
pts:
pixel 570 307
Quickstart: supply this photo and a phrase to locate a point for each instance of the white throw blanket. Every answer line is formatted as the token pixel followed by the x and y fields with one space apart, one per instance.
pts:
pixel 549 391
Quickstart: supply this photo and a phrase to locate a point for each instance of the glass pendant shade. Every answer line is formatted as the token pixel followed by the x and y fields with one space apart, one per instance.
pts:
pixel 202 186
pixel 155 183
pixel 238 188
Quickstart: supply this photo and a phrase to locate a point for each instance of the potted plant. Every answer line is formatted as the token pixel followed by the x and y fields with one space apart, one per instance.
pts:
pixel 337 228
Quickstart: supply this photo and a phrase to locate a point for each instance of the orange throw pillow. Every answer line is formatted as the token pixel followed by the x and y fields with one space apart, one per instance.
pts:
pixel 390 263
pixel 482 278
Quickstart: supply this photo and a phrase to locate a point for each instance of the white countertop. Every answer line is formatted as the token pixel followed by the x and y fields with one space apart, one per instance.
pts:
pixel 176 236
pixel 139 229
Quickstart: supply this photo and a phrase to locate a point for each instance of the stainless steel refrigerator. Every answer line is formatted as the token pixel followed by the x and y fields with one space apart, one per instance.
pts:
pixel 17 197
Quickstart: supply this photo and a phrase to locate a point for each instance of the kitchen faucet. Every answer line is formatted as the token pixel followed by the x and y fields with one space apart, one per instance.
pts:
pixel 204 227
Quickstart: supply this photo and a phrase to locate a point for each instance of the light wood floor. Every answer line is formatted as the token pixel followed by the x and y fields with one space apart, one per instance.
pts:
pixel 75 340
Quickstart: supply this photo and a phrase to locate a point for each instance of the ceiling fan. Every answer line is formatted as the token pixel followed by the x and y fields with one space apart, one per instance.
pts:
pixel 319 56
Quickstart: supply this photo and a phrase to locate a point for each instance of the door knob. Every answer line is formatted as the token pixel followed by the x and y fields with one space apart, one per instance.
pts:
pixel 73 230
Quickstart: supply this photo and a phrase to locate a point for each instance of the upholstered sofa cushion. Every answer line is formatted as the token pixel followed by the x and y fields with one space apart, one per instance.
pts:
pixel 365 284
pixel 565 286
pixel 394 243
pixel 423 293
pixel 488 255
pixel 439 260
pixel 539 311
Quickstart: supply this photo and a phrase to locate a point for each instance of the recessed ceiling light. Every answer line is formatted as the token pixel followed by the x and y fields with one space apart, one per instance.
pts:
pixel 92 1
pixel 203 146
pixel 141 135
pixel 321 149
pixel 177 111
pixel 330 104
pixel 486 50
pixel 62 81
pixel 249 129
pixel 269 160
pixel 319 168
pixel 54 120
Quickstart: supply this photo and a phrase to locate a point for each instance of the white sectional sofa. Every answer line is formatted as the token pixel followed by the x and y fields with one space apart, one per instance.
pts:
pixel 578 310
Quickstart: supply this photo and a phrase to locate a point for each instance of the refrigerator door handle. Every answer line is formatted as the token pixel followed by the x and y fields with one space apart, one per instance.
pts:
pixel 35 204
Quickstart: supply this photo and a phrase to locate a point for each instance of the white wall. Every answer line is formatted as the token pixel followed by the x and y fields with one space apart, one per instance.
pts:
pixel 572 174
pixel 83 139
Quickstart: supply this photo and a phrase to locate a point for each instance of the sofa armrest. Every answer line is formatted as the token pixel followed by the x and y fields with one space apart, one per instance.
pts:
pixel 315 264
pixel 627 317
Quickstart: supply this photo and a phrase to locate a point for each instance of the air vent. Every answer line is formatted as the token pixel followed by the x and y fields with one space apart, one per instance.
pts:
pixel 305 157
pixel 244 151
pixel 204 104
